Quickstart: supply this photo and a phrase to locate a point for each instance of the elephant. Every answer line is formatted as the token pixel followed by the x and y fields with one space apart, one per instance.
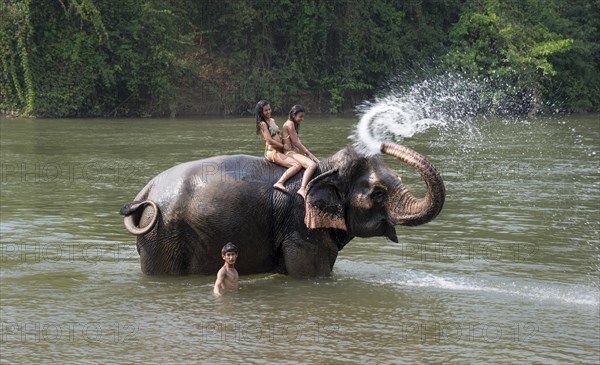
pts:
pixel 184 215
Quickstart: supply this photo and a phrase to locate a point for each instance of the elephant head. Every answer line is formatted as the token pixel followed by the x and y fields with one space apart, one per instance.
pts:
pixel 360 195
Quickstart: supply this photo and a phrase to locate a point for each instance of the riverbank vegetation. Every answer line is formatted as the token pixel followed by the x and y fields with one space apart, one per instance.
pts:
pixel 67 58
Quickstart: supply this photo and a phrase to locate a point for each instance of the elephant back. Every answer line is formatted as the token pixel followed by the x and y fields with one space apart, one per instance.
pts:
pixel 210 179
pixel 222 169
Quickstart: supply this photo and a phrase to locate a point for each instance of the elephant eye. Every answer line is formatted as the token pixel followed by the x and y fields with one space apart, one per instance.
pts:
pixel 378 195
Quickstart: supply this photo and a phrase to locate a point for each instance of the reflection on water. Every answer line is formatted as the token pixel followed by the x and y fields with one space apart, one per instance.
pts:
pixel 507 273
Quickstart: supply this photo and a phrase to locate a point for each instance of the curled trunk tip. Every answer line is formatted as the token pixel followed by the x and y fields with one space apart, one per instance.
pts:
pixel 408 209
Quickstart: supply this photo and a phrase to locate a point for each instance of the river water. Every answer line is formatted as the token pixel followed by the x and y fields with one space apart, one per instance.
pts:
pixel 507 273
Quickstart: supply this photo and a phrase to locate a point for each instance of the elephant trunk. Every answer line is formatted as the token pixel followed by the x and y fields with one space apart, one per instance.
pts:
pixel 405 208
pixel 140 216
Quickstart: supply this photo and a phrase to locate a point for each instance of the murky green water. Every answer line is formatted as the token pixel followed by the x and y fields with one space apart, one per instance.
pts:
pixel 508 273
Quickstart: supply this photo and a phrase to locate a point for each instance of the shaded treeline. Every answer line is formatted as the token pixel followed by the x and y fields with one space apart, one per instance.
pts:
pixel 63 58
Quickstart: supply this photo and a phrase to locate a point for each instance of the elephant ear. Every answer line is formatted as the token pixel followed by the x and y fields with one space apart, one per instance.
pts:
pixel 324 203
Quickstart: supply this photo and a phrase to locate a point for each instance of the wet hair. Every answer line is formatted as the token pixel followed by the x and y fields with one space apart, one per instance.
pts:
pixel 295 110
pixel 259 114
pixel 229 247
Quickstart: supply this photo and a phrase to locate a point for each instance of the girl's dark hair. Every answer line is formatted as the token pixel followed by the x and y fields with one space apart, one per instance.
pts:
pixel 259 114
pixel 295 110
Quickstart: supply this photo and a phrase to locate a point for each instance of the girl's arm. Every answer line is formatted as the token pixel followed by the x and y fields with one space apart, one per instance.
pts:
pixel 298 144
pixel 264 130
pixel 295 140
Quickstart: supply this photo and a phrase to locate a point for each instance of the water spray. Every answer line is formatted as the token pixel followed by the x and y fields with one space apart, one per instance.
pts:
pixel 433 103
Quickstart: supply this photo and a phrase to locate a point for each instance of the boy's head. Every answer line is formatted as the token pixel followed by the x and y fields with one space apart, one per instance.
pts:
pixel 229 247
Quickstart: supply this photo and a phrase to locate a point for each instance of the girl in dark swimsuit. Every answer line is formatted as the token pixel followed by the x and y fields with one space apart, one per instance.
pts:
pixel 265 125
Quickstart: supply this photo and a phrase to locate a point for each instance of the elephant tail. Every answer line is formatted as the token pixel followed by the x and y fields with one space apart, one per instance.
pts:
pixel 140 216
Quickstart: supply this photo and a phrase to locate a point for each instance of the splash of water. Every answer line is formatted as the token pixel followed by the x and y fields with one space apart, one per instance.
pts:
pixel 401 113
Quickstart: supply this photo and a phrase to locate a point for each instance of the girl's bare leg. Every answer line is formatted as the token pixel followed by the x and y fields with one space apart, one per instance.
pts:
pixel 310 167
pixel 310 170
pixel 293 168
pixel 279 186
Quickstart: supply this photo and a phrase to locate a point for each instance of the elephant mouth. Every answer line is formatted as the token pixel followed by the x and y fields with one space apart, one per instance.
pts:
pixel 381 227
pixel 390 231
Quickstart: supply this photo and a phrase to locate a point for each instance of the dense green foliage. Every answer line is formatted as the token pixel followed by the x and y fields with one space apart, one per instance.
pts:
pixel 521 44
pixel 159 57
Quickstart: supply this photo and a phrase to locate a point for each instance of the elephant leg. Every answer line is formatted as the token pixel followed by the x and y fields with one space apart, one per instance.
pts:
pixel 308 259
pixel 176 250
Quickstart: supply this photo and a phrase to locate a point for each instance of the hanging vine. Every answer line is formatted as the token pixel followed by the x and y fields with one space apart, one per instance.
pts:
pixel 88 12
pixel 15 57
pixel 24 42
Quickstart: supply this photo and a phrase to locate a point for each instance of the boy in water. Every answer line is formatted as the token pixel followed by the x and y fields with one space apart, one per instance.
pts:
pixel 227 277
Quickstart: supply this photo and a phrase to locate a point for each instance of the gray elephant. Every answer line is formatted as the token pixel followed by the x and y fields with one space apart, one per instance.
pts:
pixel 183 216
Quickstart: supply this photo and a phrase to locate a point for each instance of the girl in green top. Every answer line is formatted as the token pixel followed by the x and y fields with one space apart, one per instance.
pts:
pixel 265 125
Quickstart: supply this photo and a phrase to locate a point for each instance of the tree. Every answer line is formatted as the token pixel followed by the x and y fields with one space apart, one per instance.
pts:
pixel 73 58
pixel 65 58
pixel 16 83
pixel 506 46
